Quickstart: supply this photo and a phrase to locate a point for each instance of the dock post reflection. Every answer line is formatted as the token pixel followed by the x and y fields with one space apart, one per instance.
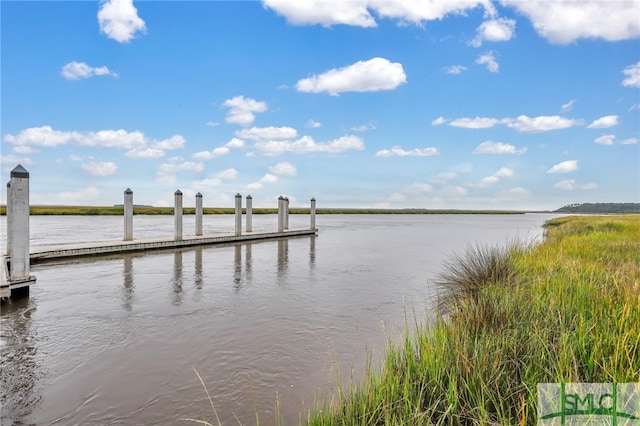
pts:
pixel 177 278
pixel 198 280
pixel 237 267
pixel 128 289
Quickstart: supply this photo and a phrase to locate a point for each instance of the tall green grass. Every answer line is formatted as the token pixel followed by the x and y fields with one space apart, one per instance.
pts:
pixel 564 310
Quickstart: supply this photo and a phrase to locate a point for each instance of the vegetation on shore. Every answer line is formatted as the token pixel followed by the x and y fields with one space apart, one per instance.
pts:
pixel 150 210
pixel 600 208
pixel 563 310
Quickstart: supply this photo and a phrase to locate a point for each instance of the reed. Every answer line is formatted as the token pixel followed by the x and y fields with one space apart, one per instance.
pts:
pixel 564 310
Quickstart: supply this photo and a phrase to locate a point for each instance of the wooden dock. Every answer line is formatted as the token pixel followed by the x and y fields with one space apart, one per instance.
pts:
pixel 41 254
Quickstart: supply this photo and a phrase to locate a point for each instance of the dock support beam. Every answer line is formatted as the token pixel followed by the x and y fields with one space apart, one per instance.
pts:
pixel 19 230
pixel 280 213
pixel 128 215
pixel 286 212
pixel 238 214
pixel 312 213
pixel 249 226
pixel 9 217
pixel 177 215
pixel 199 214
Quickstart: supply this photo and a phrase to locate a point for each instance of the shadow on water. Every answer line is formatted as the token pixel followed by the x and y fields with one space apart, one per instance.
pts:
pixel 20 371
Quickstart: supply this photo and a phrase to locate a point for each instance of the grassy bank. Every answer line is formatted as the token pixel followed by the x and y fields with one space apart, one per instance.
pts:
pixel 564 310
pixel 148 210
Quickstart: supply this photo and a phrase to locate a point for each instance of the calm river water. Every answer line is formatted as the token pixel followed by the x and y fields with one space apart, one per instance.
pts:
pixel 118 340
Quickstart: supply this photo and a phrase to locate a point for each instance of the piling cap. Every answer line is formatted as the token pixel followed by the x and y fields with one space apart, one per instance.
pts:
pixel 199 195
pixel 128 191
pixel 313 199
pixel 281 198
pixel 178 192
pixel 238 195
pixel 9 184
pixel 249 197
pixel 19 172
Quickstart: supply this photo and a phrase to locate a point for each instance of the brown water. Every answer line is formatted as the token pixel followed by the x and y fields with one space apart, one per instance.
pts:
pixel 117 341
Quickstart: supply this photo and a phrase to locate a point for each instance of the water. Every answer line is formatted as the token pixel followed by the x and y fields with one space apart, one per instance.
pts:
pixel 117 340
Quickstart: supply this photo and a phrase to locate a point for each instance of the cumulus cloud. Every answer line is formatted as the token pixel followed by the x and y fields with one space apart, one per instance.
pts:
pixel 364 127
pixel 79 70
pixel 455 69
pixel 167 171
pixel 543 123
pixel 119 20
pixel 306 145
pixel 473 123
pixel 242 110
pixel 219 151
pixel 629 141
pixel 518 192
pixel 363 76
pixel 397 151
pixel 604 122
pixel 174 142
pixel 489 60
pixel 564 21
pixel 500 29
pixel 313 124
pixel 267 179
pixel 605 140
pixel 267 133
pixel 140 153
pixel 100 168
pixel 359 12
pixel 491 147
pixel 495 177
pixel 564 167
pixel 632 73
pixel 567 185
pixel 14 159
pixel 438 121
pixel 589 186
pixel 283 169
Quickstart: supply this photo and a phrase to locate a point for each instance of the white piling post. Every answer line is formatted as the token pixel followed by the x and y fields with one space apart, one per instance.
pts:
pixel 9 217
pixel 249 213
pixel 177 215
pixel 312 213
pixel 286 212
pixel 18 232
pixel 199 214
pixel 128 214
pixel 280 213
pixel 238 214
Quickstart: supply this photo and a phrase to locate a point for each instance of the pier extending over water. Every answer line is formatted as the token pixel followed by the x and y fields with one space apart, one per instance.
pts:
pixel 15 277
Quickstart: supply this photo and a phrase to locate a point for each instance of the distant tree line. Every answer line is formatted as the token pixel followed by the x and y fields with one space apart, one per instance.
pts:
pixel 600 208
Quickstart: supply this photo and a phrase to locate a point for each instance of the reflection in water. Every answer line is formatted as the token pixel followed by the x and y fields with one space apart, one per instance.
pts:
pixel 312 251
pixel 237 269
pixel 20 371
pixel 198 280
pixel 128 290
pixel 283 260
pixel 177 279
pixel 247 263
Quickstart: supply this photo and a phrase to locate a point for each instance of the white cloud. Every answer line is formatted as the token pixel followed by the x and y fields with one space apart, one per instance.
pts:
pixel 210 155
pixel 632 73
pixel 267 179
pixel 227 174
pixel 564 167
pixel 604 122
pixel 364 127
pixel 490 147
pixel 267 133
pixel 568 106
pixel 363 76
pixel 438 121
pixel 140 153
pixel 78 70
pixel 174 142
pixel 46 136
pixel 15 160
pixel 489 180
pixel 397 151
pixel 495 178
pixel 444 177
pixel 489 60
pixel 455 69
pixel 212 123
pixel 24 149
pixel 589 186
pixel 67 198
pixel 306 145
pixel 474 123
pixel 241 110
pixel 500 29
pixel 564 21
pixel 629 141
pixel 454 191
pixel 313 124
pixel 418 188
pixel 567 185
pixel 167 171
pixel 543 123
pixel 235 143
pixel 359 12
pixel 504 172
pixel 100 168
pixel 119 20
pixel 283 169
pixel 605 140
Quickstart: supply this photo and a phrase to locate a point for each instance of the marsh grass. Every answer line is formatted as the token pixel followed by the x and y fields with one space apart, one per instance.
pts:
pixel 564 310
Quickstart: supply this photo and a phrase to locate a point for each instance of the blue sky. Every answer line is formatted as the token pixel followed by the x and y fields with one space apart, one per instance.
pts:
pixel 374 103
